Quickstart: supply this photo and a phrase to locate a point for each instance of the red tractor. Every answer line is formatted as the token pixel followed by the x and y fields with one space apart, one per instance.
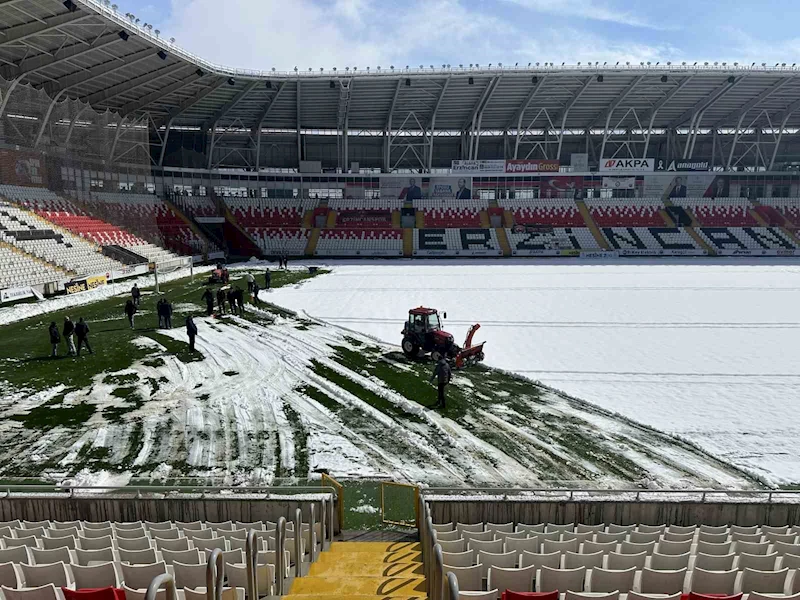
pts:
pixel 423 332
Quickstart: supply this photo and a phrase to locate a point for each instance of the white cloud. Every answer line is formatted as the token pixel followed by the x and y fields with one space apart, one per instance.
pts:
pixel 585 9
pixel 260 34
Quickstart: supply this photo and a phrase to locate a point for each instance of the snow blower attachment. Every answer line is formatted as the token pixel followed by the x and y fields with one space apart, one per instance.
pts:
pixel 423 333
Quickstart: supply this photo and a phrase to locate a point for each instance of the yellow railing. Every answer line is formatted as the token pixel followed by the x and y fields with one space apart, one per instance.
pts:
pixel 327 480
pixel 401 522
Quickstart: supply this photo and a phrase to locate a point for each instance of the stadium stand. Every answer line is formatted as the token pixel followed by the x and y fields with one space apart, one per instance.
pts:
pixel 290 242
pixel 19 270
pixel 81 555
pixel 626 212
pixel 733 240
pixel 787 208
pixel 354 242
pixel 196 206
pixel 550 242
pixel 364 213
pixel 553 212
pixel 620 560
pixel 721 212
pixel 148 217
pixel 451 214
pixel 650 240
pixel 269 213
pixel 33 235
pixel 456 242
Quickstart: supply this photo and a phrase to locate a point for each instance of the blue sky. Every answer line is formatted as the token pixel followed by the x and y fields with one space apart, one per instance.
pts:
pixel 261 34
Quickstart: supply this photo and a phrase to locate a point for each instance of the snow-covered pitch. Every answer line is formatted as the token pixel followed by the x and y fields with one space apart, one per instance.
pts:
pixel 706 350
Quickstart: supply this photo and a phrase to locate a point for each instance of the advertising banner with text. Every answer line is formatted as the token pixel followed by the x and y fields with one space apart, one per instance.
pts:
pixel 459 188
pixel 629 165
pixel 478 166
pixel 532 166
pixel 680 186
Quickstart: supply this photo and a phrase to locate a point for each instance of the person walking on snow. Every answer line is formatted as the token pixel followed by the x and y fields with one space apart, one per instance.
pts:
pixel 191 331
pixel 130 310
pixel 69 330
pixel 160 311
pixel 135 294
pixel 167 314
pixel 55 338
pixel 442 374
pixel 82 333
pixel 267 279
pixel 256 289
pixel 209 298
pixel 231 300
pixel 221 301
pixel 250 282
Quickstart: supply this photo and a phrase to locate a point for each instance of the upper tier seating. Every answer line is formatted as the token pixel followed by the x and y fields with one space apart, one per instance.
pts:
pixel 196 206
pixel 722 212
pixel 275 241
pixel 789 208
pixel 63 249
pixel 364 213
pixel 19 270
pixel 556 212
pixel 626 213
pixel 365 204
pixel 269 212
pixel 369 242
pixel 620 560
pixel 450 213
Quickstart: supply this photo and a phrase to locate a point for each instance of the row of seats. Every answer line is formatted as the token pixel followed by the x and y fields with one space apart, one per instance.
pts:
pixel 722 212
pixel 611 213
pixel 385 242
pixel 273 241
pixel 747 238
pixel 621 559
pixel 558 239
pixel 18 270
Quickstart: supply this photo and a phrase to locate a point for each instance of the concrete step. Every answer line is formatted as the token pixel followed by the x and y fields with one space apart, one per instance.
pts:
pixel 356 585
pixel 372 569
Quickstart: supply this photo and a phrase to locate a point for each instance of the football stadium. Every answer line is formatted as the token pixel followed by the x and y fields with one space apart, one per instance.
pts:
pixel 484 332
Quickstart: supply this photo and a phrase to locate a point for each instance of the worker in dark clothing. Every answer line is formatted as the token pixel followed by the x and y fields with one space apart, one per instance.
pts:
pixel 239 299
pixel 167 314
pixel 135 294
pixel 442 374
pixel 221 301
pixel 256 289
pixel 191 331
pixel 267 279
pixel 232 300
pixel 82 333
pixel 130 310
pixel 209 298
pixel 160 310
pixel 55 338
pixel 69 331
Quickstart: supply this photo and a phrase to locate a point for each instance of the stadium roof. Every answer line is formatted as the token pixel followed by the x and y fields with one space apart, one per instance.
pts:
pixel 83 49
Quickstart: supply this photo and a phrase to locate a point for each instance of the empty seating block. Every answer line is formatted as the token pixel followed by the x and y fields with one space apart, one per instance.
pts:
pixel 651 240
pixel 18 270
pixel 722 212
pixel 354 242
pixel 550 243
pixel 555 212
pixel 748 240
pixel 451 213
pixel 269 212
pixel 626 212
pixel 788 208
pixel 275 241
pixel 456 242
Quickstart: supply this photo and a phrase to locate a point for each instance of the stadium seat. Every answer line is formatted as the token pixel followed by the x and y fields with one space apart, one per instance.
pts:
pixel 713 582
pixel 574 560
pixel 662 582
pixel 138 577
pixel 492 546
pixel 486 560
pixel 551 580
pixel 764 582
pixel 459 559
pixel 669 562
pixel 758 562
pixel 530 544
pixel 604 580
pixel 89 557
pixel 531 559
pixel 8 575
pixel 469 578
pixel 714 562
pixel 94 576
pixel 45 592
pixel 518 580
pixel 41 575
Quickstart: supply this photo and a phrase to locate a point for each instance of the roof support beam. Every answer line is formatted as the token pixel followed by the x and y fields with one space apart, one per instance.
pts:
pixel 752 103
pixel 495 85
pixel 18 33
pixel 159 94
pixel 269 104
pixel 46 118
pixel 212 122
pixel 298 116
pixel 106 68
pixel 615 104
pixel 36 63
pixel 517 118
pixel 121 88
pixel 391 108
pixel 703 104
pixel 189 102
pixel 387 147
pixel 432 123
pixel 567 107
pixel 654 112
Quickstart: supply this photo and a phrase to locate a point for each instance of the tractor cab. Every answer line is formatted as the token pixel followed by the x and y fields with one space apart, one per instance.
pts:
pixel 424 320
pixel 423 332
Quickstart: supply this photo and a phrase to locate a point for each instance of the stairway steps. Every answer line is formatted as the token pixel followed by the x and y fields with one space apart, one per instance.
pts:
pixel 369 569
pixel 356 585
pixel 385 547
pixel 365 557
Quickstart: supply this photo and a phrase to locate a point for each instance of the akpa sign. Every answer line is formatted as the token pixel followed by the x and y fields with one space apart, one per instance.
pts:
pixel 635 165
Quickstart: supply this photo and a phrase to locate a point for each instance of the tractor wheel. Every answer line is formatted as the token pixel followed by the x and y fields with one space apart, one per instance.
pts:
pixel 436 355
pixel 410 349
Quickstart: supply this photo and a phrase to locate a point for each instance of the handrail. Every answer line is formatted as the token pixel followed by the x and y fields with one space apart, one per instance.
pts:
pixel 298 543
pixel 323 519
pixel 762 495
pixel 339 496
pixel 438 572
pixel 313 524
pixel 251 562
pixel 165 579
pixel 280 542
pixel 215 574
pixel 452 585
pixel 265 489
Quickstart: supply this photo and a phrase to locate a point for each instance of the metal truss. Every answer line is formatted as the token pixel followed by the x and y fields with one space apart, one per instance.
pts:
pixel 342 124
